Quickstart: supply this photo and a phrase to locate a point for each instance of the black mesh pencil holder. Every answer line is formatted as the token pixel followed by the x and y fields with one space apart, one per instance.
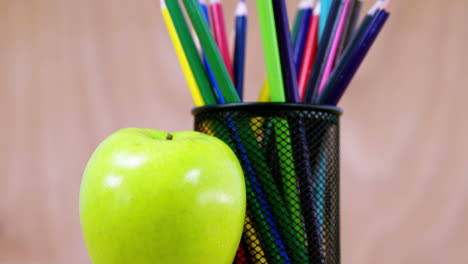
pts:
pixel 290 157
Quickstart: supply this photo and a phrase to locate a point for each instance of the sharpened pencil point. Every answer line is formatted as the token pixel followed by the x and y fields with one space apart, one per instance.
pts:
pixel 318 9
pixel 375 7
pixel 241 9
pixel 386 4
pixel 305 4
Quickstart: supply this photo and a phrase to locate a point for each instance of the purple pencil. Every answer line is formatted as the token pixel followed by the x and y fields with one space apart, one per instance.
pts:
pixel 341 78
pixel 286 51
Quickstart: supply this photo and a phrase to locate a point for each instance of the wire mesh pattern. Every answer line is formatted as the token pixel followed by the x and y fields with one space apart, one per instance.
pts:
pixel 290 157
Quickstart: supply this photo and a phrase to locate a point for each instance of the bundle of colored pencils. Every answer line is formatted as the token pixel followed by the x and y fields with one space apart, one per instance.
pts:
pixel 313 64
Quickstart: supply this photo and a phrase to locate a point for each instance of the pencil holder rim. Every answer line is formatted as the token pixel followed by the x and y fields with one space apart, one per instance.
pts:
pixel 268 107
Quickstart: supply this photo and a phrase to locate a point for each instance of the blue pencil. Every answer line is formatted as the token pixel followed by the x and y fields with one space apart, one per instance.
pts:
pixel 286 51
pixel 303 29
pixel 297 19
pixel 345 71
pixel 240 47
pixel 211 76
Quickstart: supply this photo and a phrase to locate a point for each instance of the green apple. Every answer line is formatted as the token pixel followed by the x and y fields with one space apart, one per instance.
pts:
pixel 155 197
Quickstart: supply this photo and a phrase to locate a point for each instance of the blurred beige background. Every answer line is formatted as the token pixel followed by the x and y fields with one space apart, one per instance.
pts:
pixel 72 72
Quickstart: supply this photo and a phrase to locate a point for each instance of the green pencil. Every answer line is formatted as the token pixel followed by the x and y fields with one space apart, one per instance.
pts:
pixel 294 232
pixel 211 50
pixel 271 50
pixel 191 52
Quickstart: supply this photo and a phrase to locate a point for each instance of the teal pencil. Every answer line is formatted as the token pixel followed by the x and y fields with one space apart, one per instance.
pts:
pixel 326 5
pixel 211 50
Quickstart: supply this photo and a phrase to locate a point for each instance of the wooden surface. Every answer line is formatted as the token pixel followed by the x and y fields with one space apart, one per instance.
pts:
pixel 72 72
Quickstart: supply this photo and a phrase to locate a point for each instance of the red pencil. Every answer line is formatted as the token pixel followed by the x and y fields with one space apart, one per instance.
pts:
pixel 241 257
pixel 309 52
pixel 219 29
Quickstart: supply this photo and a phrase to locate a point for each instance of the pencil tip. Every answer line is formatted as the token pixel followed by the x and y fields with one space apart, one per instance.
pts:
pixel 163 4
pixel 375 7
pixel 241 9
pixel 305 4
pixel 318 8
pixel 386 4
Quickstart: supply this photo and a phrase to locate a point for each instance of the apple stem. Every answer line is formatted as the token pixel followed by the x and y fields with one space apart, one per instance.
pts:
pixel 169 136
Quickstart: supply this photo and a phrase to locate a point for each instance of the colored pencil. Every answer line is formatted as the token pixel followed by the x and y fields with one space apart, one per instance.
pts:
pixel 350 27
pixel 219 29
pixel 243 137
pixel 302 6
pixel 320 189
pixel 309 51
pixel 301 37
pixel 271 50
pixel 209 71
pixel 330 59
pixel 191 52
pixel 278 208
pixel 294 234
pixel 298 18
pixel 327 47
pixel 212 52
pixel 326 6
pixel 192 83
pixel 355 41
pixel 240 47
pixel 241 255
pixel 293 230
pixel 323 48
pixel 255 247
pixel 286 50
pixel 259 176
pixel 356 34
pixel 267 208
pixel 264 96
pixel 343 75
pixel 259 202
pixel 257 196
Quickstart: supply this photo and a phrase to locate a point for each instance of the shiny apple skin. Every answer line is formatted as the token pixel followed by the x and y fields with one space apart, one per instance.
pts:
pixel 149 198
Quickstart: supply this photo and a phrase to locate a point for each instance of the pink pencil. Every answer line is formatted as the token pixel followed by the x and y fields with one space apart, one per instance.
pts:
pixel 334 49
pixel 219 29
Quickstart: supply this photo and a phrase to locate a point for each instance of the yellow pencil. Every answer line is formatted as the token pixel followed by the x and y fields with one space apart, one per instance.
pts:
pixel 257 122
pixel 253 243
pixel 264 96
pixel 196 95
